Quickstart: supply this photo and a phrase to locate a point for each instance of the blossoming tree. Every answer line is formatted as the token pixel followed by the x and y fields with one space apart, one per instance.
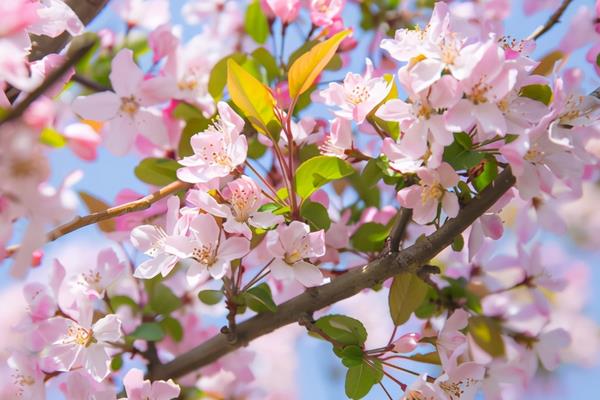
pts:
pixel 305 158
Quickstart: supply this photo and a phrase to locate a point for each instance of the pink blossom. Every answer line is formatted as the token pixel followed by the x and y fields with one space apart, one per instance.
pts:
pixel 80 343
pixel 55 17
pixel 425 197
pixel 27 377
pixel 548 346
pixel 148 14
pixel 125 110
pixel 339 140
pixel 324 12
pixel 358 95
pixel 209 249
pixel 79 385
pixel 163 40
pixel 217 151
pixel 463 379
pixel 290 245
pixel 159 243
pixel 398 158
pixel 17 15
pixel 139 389
pixel 407 343
pixel 83 140
pixel 244 198
pixel 97 280
pixel 286 10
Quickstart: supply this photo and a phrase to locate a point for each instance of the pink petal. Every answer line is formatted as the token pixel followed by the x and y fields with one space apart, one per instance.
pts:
pixel 98 106
pixel 307 274
pixel 125 75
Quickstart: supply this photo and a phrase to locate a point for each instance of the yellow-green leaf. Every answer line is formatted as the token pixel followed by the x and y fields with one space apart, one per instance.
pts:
pixel 406 294
pixel 308 66
pixel 486 333
pixel 253 98
pixel 547 63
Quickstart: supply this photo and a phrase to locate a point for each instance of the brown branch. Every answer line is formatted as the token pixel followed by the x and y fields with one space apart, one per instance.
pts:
pixel 402 221
pixel 553 20
pixel 137 205
pixel 86 10
pixel 90 84
pixel 76 53
pixel 347 285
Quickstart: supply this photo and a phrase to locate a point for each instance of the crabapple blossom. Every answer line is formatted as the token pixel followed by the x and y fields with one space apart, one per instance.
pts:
pixel 139 389
pixel 324 12
pixel 286 10
pixel 96 281
pixel 290 245
pixel 358 95
pixel 217 151
pixel 425 197
pixel 125 110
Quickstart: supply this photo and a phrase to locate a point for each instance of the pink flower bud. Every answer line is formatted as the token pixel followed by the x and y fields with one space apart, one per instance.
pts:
pixel 407 343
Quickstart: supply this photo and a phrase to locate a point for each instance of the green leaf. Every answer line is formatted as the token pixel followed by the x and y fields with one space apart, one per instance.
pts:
pixel 541 93
pixel 486 333
pixel 116 363
pixel 372 173
pixel 266 59
pixel 151 331
pixel 210 297
pixel 51 137
pixel 157 171
pixel 94 204
pixel 218 75
pixel 406 294
pixel 459 156
pixel 186 112
pixel 255 148
pixel 361 378
pixel 316 215
pixel 260 299
pixel 464 140
pixel 351 355
pixel 458 243
pixel 547 62
pixel 308 66
pixel 429 358
pixel 343 329
pixel 256 23
pixel 119 301
pixel 598 60
pixel 173 328
pixel 317 171
pixel 370 237
pixel 163 300
pixel 253 98
pixel 487 175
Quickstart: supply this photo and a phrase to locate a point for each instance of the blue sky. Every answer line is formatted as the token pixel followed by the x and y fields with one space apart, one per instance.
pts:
pixel 320 374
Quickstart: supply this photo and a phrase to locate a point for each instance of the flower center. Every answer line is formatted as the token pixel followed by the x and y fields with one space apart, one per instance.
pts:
pixel 81 336
pixel 534 156
pixel 188 83
pixel 478 93
pixel 242 201
pixel 293 257
pixel 204 255
pixel 129 105
pixel 359 94
pixel 434 192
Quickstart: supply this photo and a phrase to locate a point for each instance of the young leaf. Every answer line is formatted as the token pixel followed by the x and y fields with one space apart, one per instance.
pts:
pixel 316 215
pixel 260 299
pixel 460 157
pixel 157 171
pixel 218 75
pixel 253 98
pixel 94 204
pixel 210 297
pixel 361 378
pixel 541 93
pixel 370 237
pixel 172 327
pixel 486 333
pixel 406 294
pixel 308 66
pixel 163 300
pixel 151 331
pixel 266 59
pixel 487 175
pixel 51 137
pixel 345 330
pixel 256 23
pixel 317 171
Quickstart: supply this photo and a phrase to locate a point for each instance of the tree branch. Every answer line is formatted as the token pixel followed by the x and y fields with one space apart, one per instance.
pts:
pixel 86 10
pixel 73 56
pixel 313 299
pixel 137 205
pixel 553 20
pixel 404 217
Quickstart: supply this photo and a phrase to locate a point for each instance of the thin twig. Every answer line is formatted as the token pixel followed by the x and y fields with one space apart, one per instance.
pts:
pixel 553 20
pixel 88 83
pixel 137 205
pixel 72 58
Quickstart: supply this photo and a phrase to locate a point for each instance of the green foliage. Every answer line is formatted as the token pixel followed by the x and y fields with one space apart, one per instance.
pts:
pixel 172 327
pixel 317 171
pixel 344 330
pixel 486 332
pixel 260 299
pixel 157 171
pixel 210 297
pixel 460 154
pixel 218 75
pixel 163 300
pixel 541 93
pixel 51 137
pixel 120 301
pixel 406 294
pixel 150 331
pixel 361 378
pixel 316 215
pixel 256 23
pixel 487 174
pixel 370 237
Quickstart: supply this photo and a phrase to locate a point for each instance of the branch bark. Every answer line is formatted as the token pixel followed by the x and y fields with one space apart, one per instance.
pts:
pixel 553 20
pixel 408 260
pixel 86 10
pixel 137 205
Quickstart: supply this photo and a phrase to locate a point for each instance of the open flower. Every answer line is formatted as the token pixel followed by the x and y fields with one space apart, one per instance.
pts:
pixel 139 389
pixel 358 96
pixel 290 245
pixel 244 198
pixel 425 197
pixel 217 151
pixel 107 271
pixel 125 109
pixel 81 343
